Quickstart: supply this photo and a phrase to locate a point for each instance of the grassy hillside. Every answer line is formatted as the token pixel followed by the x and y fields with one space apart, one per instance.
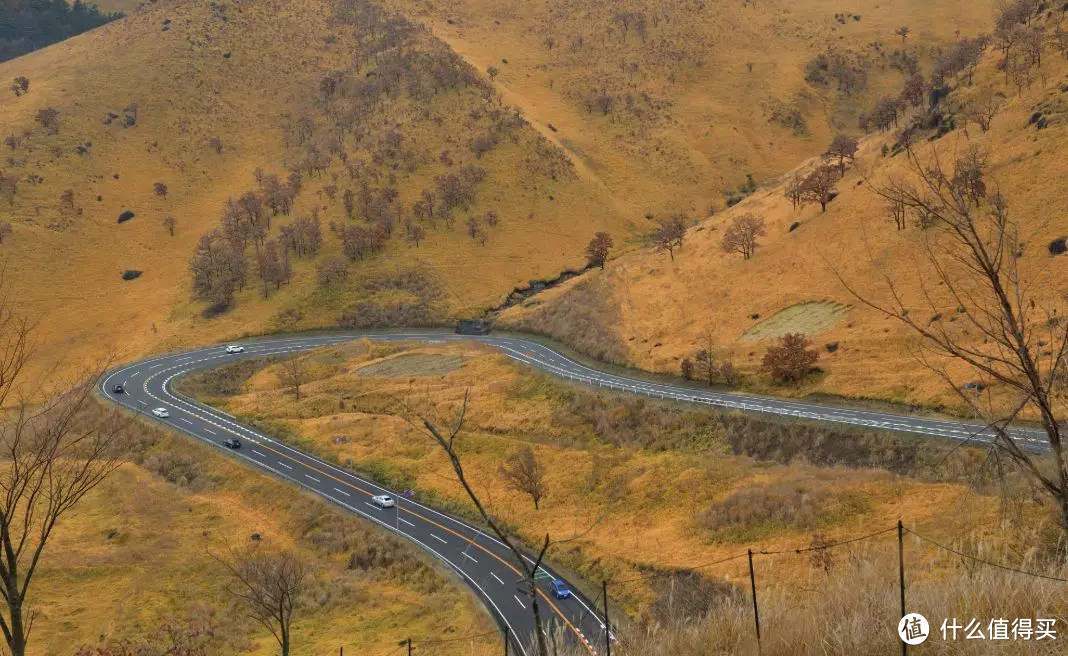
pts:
pixel 649 310
pixel 670 105
pixel 644 488
pixel 136 554
pixel 356 101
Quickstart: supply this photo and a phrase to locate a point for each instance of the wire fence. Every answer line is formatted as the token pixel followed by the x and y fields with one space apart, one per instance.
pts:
pixel 608 639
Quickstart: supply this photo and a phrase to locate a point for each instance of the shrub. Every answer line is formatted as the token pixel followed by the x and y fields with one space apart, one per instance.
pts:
pixel 791 360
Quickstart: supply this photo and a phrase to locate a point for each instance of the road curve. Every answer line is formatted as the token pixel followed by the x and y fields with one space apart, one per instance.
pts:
pixel 478 559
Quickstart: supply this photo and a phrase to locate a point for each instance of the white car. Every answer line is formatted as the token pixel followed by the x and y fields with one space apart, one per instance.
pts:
pixel 161 413
pixel 383 501
pixel 235 348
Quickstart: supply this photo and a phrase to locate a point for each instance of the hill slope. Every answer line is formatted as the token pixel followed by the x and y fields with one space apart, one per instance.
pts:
pixel 671 105
pixel 651 311
pixel 356 101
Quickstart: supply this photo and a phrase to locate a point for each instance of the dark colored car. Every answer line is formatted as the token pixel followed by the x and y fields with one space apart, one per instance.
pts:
pixel 118 389
pixel 232 443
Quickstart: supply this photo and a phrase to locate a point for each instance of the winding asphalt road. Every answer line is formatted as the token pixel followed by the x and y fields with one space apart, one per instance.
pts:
pixel 478 559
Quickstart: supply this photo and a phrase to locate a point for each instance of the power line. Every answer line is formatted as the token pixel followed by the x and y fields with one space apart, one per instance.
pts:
pixel 986 562
pixel 438 641
pixel 681 570
pixel 821 547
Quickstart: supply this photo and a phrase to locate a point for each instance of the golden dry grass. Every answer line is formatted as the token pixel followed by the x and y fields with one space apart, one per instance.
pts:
pixel 646 506
pixel 703 82
pixel 236 74
pixel 136 553
pixel 649 311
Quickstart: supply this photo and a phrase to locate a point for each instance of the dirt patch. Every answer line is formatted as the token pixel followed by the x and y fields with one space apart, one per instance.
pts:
pixel 809 318
pixel 416 364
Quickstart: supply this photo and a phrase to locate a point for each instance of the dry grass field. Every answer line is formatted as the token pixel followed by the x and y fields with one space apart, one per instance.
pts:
pixel 651 311
pixel 643 487
pixel 670 105
pixel 199 96
pixel 138 553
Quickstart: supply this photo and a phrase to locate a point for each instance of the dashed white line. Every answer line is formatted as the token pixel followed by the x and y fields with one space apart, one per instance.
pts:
pixel 185 420
pixel 313 478
pixel 470 557
pixel 406 521
pixel 258 453
pixel 208 430
pixel 516 597
pixel 337 489
pixel 497 577
pixel 285 465
pixel 441 540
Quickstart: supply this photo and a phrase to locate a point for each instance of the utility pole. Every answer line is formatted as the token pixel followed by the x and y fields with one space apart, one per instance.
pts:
pixel 901 575
pixel 607 624
pixel 507 631
pixel 409 647
pixel 756 611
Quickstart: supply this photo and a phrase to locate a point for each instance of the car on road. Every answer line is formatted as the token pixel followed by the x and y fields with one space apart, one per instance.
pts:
pixel 383 501
pixel 118 389
pixel 232 443
pixel 162 413
pixel 235 348
pixel 560 589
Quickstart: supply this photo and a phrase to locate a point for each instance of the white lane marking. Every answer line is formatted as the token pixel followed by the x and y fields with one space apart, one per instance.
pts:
pixel 438 539
pixel 494 575
pixel 516 597
pixel 259 453
pixel 313 478
pixel 185 420
pixel 470 557
pixel 337 489
pixel 208 430
pixel 135 374
pixel 406 521
pixel 368 503
pixel 285 465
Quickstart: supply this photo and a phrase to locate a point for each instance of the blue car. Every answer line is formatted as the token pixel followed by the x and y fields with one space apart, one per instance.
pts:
pixel 560 589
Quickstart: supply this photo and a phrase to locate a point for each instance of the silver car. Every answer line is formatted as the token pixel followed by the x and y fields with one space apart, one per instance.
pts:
pixel 383 501
pixel 162 413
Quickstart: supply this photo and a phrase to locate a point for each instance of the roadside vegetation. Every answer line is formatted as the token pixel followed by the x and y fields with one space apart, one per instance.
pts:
pixel 648 488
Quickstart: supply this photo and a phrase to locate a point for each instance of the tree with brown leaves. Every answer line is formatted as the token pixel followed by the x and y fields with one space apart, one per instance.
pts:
pixel 598 248
pixel 791 359
pixel 818 186
pixel 844 149
pixel 741 235
pixel 293 373
pixel 523 473
pixel 670 235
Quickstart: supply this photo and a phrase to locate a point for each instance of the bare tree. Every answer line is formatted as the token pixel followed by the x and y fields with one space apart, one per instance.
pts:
pixel 160 188
pixel 529 567
pixel 5 230
pixel 598 248
pixel 523 473
pixel 898 211
pixel 271 586
pixel 795 190
pixel 819 186
pixel 902 32
pixel 844 149
pixel 170 224
pixel 1010 331
pixel 293 373
pixel 670 235
pixel 55 452
pixel 741 235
